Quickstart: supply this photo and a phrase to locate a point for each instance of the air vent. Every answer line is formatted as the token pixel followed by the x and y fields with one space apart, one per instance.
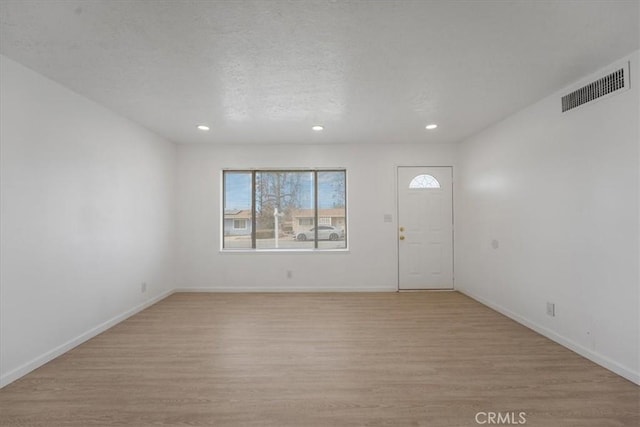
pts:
pixel 604 86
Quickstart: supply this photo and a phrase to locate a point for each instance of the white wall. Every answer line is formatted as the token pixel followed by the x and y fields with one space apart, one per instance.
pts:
pixel 559 192
pixel 86 217
pixel 370 264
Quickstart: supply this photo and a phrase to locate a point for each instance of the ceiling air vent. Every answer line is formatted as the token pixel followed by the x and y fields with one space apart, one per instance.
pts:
pixel 613 82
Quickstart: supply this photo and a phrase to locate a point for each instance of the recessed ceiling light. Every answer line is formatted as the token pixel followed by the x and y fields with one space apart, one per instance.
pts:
pixel 317 128
pixel 203 127
pixel 431 126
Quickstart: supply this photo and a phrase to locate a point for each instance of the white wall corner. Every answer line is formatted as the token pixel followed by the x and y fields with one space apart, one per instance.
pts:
pixel 41 360
pixel 612 365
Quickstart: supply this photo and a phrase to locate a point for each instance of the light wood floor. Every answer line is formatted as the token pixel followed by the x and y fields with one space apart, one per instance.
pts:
pixel 409 359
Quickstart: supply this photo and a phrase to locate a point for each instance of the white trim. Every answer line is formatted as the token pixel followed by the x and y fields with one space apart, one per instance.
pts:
pixel 244 289
pixel 287 251
pixel 595 357
pixel 285 169
pixel 33 364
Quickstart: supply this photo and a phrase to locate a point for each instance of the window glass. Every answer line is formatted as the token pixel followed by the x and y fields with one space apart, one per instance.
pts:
pixel 424 181
pixel 237 210
pixel 280 198
pixel 332 211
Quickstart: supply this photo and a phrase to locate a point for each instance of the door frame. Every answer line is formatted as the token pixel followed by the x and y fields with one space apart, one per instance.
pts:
pixel 397 226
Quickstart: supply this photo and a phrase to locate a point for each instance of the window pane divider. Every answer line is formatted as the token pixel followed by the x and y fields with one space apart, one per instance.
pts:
pixel 315 209
pixel 253 209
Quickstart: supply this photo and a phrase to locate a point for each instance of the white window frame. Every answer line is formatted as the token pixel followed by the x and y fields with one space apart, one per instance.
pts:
pixel 316 249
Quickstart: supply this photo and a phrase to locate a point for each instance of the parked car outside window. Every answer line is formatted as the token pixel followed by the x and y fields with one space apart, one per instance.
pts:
pixel 325 232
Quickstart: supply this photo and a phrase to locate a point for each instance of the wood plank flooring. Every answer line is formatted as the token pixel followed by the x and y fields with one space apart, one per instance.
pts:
pixel 347 359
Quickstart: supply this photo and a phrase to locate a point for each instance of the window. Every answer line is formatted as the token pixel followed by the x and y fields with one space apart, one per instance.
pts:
pixel 424 181
pixel 277 209
pixel 324 220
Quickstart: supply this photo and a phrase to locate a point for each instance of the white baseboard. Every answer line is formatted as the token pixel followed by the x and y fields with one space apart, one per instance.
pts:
pixel 24 369
pixel 595 357
pixel 283 289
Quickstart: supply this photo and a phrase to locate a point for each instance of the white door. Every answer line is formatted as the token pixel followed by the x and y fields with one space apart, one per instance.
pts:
pixel 425 222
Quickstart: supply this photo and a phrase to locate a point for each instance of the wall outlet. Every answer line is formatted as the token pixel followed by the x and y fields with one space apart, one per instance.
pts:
pixel 495 244
pixel 289 274
pixel 143 287
pixel 551 309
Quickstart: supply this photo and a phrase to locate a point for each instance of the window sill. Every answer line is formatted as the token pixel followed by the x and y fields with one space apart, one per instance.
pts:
pixel 285 251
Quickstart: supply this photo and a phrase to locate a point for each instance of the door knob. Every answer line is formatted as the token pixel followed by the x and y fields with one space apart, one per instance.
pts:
pixel 401 228
pixel 401 237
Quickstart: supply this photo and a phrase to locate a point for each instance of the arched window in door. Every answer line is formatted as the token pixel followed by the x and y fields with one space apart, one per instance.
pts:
pixel 424 181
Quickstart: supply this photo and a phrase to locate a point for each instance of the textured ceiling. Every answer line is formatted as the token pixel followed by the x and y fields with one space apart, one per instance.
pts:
pixel 266 71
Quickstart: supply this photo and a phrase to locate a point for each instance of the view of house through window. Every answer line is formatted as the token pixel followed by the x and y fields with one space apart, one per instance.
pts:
pixel 276 209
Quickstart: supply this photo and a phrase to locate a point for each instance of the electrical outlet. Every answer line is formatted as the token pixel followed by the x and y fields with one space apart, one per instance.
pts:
pixel 551 309
pixel 289 274
pixel 143 287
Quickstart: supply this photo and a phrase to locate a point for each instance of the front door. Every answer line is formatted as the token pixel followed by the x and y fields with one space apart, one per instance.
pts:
pixel 425 227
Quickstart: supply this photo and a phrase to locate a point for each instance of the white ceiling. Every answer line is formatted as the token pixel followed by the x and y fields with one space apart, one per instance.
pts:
pixel 266 71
